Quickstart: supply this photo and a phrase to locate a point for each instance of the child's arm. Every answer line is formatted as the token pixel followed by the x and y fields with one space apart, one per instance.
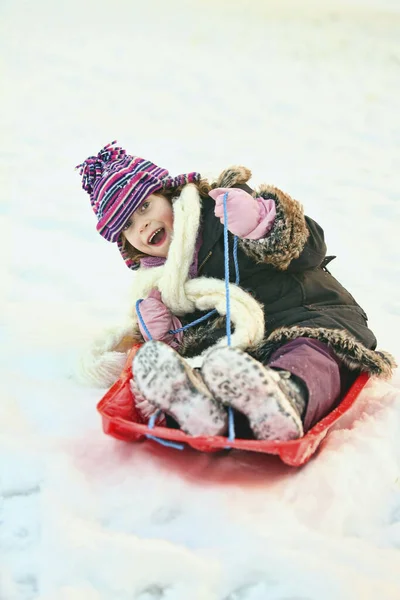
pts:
pixel 294 242
pixel 272 227
pixel 159 320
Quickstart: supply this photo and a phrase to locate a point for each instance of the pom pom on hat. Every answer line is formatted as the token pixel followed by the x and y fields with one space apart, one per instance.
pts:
pixel 93 167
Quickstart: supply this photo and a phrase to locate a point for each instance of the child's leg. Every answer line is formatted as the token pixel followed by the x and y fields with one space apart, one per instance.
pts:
pixel 319 369
pixel 169 384
pixel 299 386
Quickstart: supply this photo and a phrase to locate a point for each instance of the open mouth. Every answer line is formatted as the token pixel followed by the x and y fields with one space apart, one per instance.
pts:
pixel 157 237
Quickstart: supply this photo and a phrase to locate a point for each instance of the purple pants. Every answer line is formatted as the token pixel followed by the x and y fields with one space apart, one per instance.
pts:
pixel 324 375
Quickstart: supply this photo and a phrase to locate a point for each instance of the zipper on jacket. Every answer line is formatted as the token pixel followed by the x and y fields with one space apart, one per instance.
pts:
pixel 204 261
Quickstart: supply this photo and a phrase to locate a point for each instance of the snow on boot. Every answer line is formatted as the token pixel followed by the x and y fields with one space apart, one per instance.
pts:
pixel 168 383
pixel 268 398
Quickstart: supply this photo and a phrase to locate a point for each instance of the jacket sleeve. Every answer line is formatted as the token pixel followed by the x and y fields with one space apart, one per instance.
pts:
pixel 295 242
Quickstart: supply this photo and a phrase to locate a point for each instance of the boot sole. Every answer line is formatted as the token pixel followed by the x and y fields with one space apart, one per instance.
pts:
pixel 239 381
pixel 167 382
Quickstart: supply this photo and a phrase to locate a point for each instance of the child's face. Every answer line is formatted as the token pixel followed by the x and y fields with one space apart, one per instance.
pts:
pixel 149 228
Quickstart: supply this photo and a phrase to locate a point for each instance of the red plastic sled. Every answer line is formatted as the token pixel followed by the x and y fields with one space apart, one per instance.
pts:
pixel 121 420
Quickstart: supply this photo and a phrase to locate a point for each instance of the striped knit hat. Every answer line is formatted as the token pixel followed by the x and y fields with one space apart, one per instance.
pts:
pixel 118 183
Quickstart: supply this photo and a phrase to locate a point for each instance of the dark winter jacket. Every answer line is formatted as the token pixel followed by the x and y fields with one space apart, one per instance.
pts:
pixel 287 273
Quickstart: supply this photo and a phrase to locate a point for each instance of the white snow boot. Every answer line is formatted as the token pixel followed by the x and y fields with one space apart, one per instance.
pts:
pixel 171 385
pixel 271 400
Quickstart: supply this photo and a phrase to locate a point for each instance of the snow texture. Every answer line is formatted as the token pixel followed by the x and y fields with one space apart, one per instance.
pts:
pixel 306 95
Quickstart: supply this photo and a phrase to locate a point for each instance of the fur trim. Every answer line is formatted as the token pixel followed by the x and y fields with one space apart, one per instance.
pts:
pixel 201 336
pixel 288 236
pixel 208 335
pixel 348 349
pixel 231 176
pixel 180 255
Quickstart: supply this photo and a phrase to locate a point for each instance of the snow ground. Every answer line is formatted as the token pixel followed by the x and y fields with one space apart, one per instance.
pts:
pixel 305 95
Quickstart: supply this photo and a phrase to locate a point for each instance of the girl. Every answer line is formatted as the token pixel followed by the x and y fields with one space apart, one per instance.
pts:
pixel 299 338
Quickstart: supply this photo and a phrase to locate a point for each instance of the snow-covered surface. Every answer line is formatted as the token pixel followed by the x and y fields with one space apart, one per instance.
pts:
pixel 305 94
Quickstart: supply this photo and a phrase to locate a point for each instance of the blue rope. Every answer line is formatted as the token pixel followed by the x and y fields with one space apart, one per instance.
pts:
pixel 231 421
pixel 231 430
pixel 166 443
pixel 235 259
pixel 143 324
pixel 203 318
pixel 226 260
pixel 152 419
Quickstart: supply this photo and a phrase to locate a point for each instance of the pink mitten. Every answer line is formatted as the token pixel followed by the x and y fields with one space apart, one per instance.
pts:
pixel 248 217
pixel 159 320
